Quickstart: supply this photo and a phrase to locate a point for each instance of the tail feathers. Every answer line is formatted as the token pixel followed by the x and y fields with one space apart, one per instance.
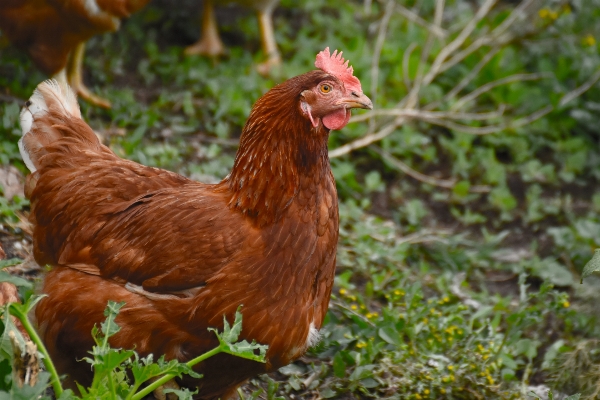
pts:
pixel 51 103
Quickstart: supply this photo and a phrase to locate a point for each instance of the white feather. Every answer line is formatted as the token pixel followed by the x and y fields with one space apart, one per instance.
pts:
pixel 314 336
pixel 37 107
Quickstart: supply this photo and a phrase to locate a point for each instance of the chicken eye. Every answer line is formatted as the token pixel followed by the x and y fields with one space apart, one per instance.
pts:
pixel 325 88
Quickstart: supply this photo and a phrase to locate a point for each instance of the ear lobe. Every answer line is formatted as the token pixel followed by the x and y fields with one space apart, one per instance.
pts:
pixel 307 111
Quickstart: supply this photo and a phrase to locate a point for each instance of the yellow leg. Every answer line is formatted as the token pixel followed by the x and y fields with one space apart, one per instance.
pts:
pixel 75 79
pixel 265 20
pixel 209 43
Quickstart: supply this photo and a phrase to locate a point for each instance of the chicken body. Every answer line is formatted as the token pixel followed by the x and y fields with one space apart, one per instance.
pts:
pixel 183 254
pixel 53 32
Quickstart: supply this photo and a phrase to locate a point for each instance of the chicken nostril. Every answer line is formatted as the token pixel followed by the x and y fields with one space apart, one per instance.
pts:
pixel 355 94
pixel 28 103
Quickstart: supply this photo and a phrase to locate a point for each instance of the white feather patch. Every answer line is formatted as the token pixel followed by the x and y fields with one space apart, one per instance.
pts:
pixel 314 336
pixel 37 107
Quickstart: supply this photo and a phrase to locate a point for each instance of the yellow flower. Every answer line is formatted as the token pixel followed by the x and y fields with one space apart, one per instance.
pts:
pixel 460 331
pixel 450 367
pixel 398 292
pixel 353 298
pixel 553 15
pixel 432 311
pixel 360 345
pixel 446 379
pixel 425 320
pixel 343 291
pixel 354 307
pixel 485 356
pixel 418 396
pixel 362 307
pixel 426 391
pixel 566 304
pixel 490 379
pixel 443 391
pixel 543 13
pixel 446 299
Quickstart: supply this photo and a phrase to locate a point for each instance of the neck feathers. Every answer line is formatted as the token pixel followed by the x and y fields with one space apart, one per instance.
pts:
pixel 279 149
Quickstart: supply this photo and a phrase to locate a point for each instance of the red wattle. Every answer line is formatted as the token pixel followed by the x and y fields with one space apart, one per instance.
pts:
pixel 337 120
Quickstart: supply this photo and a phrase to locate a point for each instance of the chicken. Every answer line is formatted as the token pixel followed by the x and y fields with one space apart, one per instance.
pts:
pixel 210 43
pixel 183 254
pixel 53 33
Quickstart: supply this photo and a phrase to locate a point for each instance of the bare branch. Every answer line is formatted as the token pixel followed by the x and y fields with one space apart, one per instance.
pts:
pixel 458 41
pixel 580 90
pixel 486 130
pixel 367 139
pixel 499 82
pixel 497 37
pixel 383 25
pixel 467 79
pixel 428 115
pixel 414 17
pixel 411 100
pixel 444 183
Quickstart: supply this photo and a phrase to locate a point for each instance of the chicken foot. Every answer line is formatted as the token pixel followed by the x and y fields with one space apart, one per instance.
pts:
pixel 72 74
pixel 210 43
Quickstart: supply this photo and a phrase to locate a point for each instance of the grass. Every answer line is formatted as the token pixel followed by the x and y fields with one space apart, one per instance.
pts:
pixel 463 230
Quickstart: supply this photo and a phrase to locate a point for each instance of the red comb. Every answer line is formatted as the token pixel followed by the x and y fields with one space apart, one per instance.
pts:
pixel 335 64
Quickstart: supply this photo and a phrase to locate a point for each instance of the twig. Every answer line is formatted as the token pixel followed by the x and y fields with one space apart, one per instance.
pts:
pixel 467 79
pixel 499 82
pixel 383 25
pixel 367 139
pixel 444 183
pixel 414 17
pixel 486 130
pixel 429 115
pixel 458 41
pixel 351 311
pixel 580 90
pixel 411 100
pixel 494 37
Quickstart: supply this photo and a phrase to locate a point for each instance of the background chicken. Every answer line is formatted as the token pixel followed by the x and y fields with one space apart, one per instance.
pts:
pixel 182 254
pixel 54 32
pixel 210 43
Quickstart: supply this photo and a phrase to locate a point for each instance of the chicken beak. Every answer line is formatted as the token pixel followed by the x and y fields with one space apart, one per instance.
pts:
pixel 358 100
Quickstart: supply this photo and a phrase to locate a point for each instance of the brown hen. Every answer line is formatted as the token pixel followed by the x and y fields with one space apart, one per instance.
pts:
pixel 53 33
pixel 182 254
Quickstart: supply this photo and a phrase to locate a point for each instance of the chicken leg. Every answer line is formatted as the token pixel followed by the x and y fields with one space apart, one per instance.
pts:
pixel 210 43
pixel 74 77
pixel 265 21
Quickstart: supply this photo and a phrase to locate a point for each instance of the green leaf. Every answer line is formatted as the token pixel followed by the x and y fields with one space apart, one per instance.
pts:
pixel 15 280
pixel 592 266
pixel 109 327
pixel 10 263
pixel 461 188
pixel 390 335
pixel 243 349
pixel 339 366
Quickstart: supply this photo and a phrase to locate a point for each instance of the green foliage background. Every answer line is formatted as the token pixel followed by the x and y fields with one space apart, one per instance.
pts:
pixel 467 288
